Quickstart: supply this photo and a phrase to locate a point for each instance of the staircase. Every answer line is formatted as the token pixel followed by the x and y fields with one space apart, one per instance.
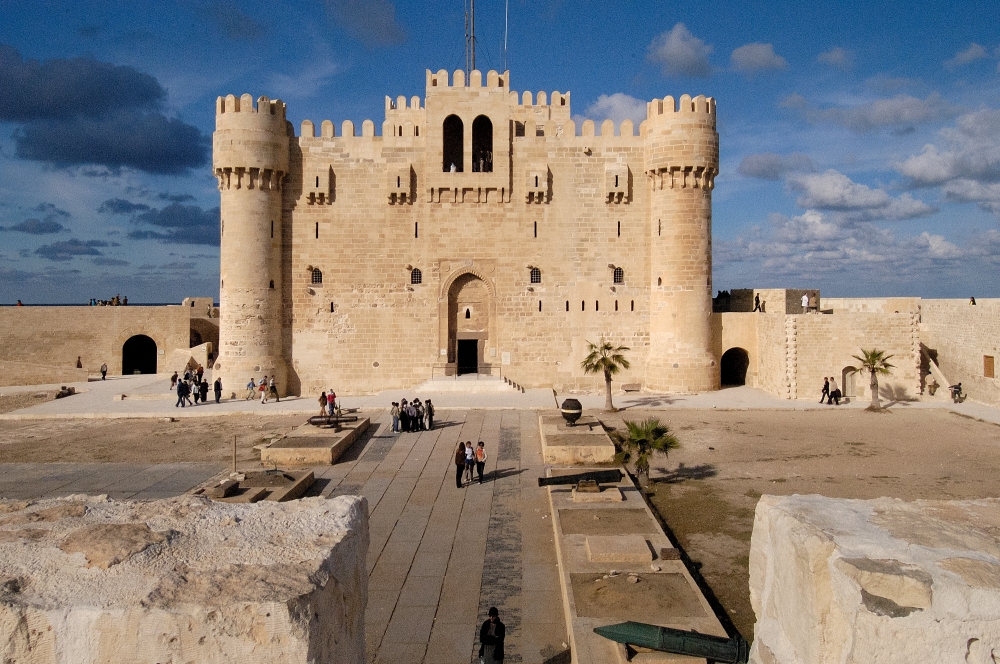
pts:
pixel 469 384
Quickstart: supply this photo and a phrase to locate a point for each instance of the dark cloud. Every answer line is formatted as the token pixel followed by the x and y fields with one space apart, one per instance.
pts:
pixel 180 224
pixel 110 262
pixel 121 206
pixel 771 166
pixel 84 112
pixel 65 88
pixel 149 142
pixel 174 198
pixel 51 210
pixel 234 23
pixel 372 22
pixel 36 227
pixel 64 251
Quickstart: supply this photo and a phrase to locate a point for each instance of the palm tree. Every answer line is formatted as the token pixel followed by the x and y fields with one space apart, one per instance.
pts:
pixel 643 439
pixel 605 358
pixel 875 362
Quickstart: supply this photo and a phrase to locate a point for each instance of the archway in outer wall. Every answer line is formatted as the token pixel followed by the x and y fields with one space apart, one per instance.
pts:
pixel 734 365
pixel 139 355
pixel 482 145
pixel 468 323
pixel 453 144
pixel 848 382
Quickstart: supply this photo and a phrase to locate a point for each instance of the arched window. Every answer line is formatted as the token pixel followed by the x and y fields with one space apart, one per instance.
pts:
pixel 482 145
pixel 453 145
pixel 271 286
pixel 536 275
pixel 468 313
pixel 317 276
pixel 619 275
pixel 416 276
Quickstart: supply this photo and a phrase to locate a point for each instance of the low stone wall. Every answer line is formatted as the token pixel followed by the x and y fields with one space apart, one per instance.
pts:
pixel 855 582
pixel 960 337
pixel 183 580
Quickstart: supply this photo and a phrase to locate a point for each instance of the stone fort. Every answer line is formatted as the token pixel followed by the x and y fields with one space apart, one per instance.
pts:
pixel 483 231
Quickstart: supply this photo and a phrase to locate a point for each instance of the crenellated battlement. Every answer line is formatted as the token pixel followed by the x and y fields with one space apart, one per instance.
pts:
pixel 439 82
pixel 699 105
pixel 232 112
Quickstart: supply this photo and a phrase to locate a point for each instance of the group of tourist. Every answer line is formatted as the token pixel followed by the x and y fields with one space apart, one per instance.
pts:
pixel 412 415
pixel 265 388
pixel 831 393
pixel 193 384
pixel 328 403
pixel 116 301
pixel 467 458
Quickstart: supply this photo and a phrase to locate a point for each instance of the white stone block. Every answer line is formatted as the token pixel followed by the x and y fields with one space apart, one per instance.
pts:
pixel 87 580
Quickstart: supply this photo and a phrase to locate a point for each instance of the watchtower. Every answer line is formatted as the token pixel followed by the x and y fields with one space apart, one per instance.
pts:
pixel 681 162
pixel 250 161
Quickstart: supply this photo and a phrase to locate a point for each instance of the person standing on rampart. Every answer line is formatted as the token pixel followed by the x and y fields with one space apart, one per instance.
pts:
pixel 756 302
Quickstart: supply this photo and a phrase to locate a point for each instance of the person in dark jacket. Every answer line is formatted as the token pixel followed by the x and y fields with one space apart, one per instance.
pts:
pixel 491 636
pixel 217 387
pixel 459 464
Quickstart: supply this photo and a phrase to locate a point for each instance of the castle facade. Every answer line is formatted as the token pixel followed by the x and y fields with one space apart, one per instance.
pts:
pixel 483 231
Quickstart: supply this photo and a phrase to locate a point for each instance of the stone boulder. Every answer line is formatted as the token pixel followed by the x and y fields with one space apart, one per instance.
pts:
pixel 87 579
pixel 875 581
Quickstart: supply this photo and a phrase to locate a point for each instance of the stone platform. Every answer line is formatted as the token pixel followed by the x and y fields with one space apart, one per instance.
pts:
pixel 308 445
pixel 616 564
pixel 584 443
pixel 183 580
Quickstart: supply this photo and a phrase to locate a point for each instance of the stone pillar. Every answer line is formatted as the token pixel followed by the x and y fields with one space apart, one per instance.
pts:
pixel 250 160
pixel 681 162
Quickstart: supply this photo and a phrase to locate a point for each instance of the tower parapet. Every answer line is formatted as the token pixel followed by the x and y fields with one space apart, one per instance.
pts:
pixel 250 161
pixel 681 162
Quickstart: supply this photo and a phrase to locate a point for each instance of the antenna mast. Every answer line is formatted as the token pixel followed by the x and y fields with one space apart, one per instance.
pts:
pixel 470 36
pixel 506 12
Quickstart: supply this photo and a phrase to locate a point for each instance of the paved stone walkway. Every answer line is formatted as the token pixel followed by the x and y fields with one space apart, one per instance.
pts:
pixel 121 481
pixel 441 556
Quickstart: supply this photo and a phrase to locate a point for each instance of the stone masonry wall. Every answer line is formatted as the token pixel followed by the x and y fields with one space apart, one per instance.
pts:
pixel 53 338
pixel 961 336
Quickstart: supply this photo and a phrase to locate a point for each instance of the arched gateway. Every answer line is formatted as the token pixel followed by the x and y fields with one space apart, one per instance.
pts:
pixel 139 355
pixel 469 314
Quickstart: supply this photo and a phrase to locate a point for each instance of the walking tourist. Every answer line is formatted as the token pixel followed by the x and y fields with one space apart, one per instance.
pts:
pixel 470 460
pixel 805 303
pixel 480 460
pixel 395 417
pixel 181 393
pixel 491 636
pixel 196 390
pixel 833 388
pixel 104 371
pixel 262 388
pixel 756 302
pixel 429 409
pixel 322 404
pixel 251 389
pixel 200 372
pixel 203 388
pixel 187 392
pixel 217 385
pixel 173 381
pixel 825 394
pixel 331 401
pixel 459 465
pixel 273 389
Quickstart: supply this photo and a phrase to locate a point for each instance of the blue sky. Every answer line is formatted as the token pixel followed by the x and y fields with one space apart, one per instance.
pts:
pixel 860 141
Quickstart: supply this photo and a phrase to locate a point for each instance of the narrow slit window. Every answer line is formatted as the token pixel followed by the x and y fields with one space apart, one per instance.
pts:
pixel 468 313
pixel 659 227
pixel 619 229
pixel 539 305
pixel 567 305
pixel 271 285
pixel 416 131
pixel 659 281
pixel 399 181
pixel 633 305
pixel 597 305
pixel 616 182
pixel 583 305
pixel 416 229
pixel 317 230
pixel 536 182
pixel 536 229
pixel 333 308
pixel 616 305
pixel 272 229
pixel 317 181
pixel 416 276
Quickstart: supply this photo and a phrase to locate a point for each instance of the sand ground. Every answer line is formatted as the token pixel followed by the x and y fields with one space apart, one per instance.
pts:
pixel 707 490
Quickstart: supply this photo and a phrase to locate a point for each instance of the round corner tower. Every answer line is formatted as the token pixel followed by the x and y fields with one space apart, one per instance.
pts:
pixel 250 160
pixel 681 162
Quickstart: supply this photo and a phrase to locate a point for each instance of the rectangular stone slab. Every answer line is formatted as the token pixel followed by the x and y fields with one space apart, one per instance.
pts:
pixel 596 521
pixel 313 446
pixel 659 599
pixel 618 549
pixel 184 580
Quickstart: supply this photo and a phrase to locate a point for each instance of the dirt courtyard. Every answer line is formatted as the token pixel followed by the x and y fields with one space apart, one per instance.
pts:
pixel 707 490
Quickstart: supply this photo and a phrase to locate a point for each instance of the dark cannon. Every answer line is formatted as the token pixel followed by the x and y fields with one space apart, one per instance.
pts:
pixel 590 481
pixel 678 642
pixel 331 420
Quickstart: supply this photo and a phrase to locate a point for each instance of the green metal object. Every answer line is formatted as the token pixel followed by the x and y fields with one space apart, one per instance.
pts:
pixel 599 476
pixel 678 642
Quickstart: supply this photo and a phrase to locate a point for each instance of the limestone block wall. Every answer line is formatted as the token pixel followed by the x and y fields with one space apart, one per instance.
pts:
pixel 183 580
pixel 961 336
pixel 53 337
pixel 854 582
pixel 876 305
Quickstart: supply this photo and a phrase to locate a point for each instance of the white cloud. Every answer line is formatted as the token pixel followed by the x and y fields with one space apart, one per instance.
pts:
pixel 974 52
pixel 680 53
pixel 771 166
pixel 756 57
pixel 901 111
pixel 618 107
pixel 834 191
pixel 837 57
pixel 972 152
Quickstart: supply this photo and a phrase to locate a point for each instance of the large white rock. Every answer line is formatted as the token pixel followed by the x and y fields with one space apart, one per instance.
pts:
pixel 87 580
pixel 877 581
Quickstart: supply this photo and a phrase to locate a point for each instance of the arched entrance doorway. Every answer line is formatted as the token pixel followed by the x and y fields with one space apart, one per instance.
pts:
pixel 468 323
pixel 734 365
pixel 139 356
pixel 848 382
